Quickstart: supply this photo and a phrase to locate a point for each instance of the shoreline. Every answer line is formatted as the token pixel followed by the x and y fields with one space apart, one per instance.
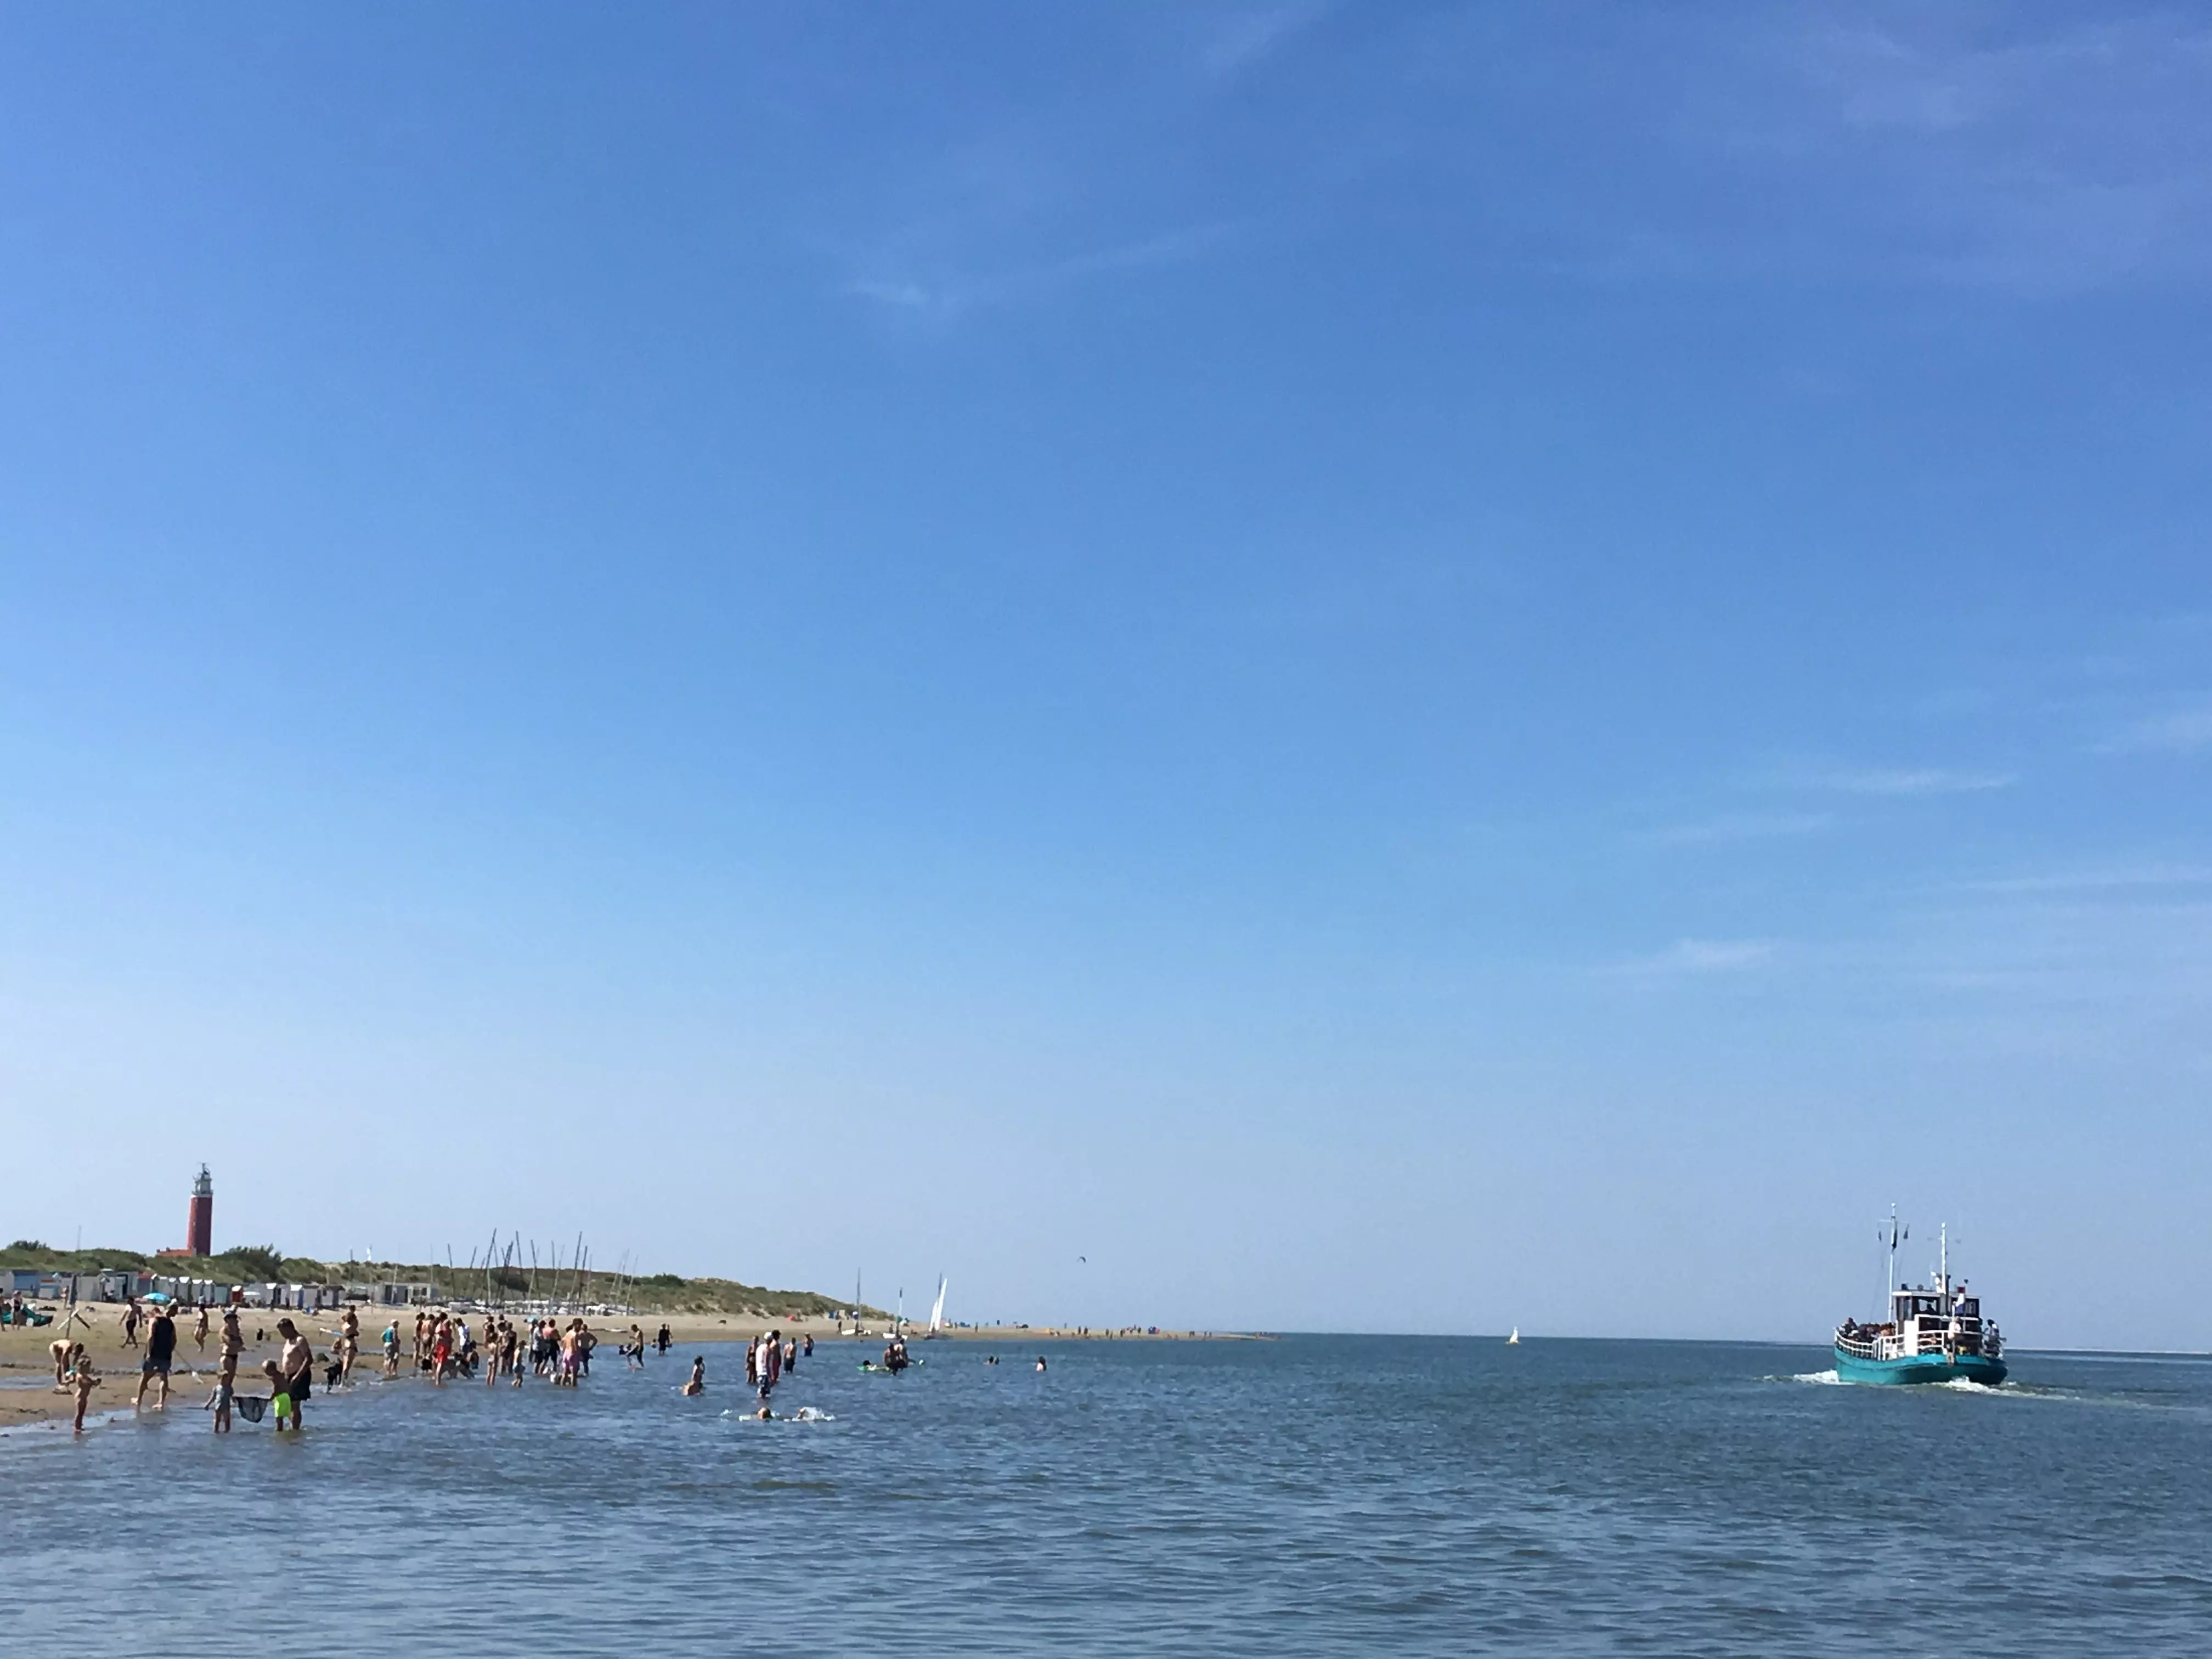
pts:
pixel 28 1397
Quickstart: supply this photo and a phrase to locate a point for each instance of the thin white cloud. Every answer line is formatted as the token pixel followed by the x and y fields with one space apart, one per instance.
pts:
pixel 1691 956
pixel 1246 37
pixel 1935 84
pixel 2114 880
pixel 2125 976
pixel 1922 781
pixel 1742 827
pixel 1892 781
pixel 2179 732
pixel 1946 147
pixel 949 295
pixel 910 296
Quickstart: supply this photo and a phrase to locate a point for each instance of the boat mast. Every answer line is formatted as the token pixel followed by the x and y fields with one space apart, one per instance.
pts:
pixel 1894 1232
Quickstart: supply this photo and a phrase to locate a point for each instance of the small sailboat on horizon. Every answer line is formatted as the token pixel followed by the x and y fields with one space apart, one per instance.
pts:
pixel 1514 1341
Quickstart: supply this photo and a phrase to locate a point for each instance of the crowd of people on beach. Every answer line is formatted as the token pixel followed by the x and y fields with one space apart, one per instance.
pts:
pixel 289 1375
pixel 439 1345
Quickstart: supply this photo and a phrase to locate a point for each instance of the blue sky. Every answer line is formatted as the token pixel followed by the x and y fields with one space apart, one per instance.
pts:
pixel 1393 667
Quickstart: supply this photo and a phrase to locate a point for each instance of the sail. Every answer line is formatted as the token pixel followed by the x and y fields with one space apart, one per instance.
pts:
pixel 937 1313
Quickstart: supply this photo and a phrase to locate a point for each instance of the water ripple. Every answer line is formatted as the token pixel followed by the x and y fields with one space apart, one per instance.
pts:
pixel 1309 1495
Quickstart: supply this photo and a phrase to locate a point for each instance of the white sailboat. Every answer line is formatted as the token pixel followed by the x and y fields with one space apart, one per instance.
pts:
pixel 1514 1341
pixel 937 1313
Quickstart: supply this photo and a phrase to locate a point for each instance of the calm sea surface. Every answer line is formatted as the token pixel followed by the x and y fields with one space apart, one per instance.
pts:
pixel 1312 1495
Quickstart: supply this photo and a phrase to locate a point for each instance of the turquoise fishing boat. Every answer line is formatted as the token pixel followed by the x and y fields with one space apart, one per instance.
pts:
pixel 1934 1332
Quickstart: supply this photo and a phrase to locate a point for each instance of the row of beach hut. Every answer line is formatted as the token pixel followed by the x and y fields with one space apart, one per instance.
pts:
pixel 124 1284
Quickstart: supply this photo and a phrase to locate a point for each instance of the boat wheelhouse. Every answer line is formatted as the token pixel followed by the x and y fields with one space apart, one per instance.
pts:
pixel 1934 1332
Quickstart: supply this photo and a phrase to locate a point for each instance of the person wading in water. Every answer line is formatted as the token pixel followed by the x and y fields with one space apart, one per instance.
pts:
pixel 295 1370
pixel 161 1350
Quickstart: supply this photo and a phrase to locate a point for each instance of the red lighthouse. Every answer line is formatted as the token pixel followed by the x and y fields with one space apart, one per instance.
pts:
pixel 199 1226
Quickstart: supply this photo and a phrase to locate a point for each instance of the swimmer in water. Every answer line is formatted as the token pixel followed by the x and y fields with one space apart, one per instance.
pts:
pixel 1040 1362
pixel 698 1385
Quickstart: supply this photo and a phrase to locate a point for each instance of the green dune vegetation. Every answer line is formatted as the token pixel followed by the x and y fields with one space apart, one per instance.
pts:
pixel 265 1263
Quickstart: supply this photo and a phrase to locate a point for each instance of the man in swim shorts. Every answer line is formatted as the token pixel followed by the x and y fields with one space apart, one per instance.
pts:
pixel 295 1370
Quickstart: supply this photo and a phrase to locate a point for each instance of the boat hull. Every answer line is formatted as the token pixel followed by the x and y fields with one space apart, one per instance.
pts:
pixel 1921 1368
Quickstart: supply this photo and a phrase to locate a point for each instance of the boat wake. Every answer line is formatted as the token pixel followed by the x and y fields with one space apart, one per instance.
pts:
pixel 1963 1385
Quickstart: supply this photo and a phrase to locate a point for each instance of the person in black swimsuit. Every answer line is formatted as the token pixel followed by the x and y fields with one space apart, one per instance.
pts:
pixel 161 1349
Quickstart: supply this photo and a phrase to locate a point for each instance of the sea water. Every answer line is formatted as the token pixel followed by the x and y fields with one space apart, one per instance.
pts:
pixel 1307 1495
